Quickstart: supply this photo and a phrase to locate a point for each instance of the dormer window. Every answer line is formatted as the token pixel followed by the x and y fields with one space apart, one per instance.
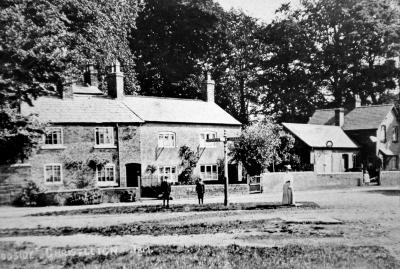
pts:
pixel 166 140
pixel 104 136
pixel 383 134
pixel 54 136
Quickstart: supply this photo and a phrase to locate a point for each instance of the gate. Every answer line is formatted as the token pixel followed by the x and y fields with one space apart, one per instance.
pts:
pixel 255 184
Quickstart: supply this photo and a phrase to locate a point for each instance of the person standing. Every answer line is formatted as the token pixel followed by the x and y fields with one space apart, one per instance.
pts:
pixel 288 198
pixel 166 191
pixel 200 189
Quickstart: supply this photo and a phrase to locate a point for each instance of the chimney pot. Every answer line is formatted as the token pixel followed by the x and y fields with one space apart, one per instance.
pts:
pixel 339 117
pixel 90 76
pixel 115 81
pixel 357 100
pixel 210 88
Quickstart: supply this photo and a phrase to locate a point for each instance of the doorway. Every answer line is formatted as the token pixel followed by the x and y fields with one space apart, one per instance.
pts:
pixel 133 174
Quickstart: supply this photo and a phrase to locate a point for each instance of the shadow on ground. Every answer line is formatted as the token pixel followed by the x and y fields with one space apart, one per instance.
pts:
pixel 394 192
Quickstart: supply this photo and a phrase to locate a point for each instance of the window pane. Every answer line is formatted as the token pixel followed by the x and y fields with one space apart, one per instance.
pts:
pixel 208 169
pixel 214 168
pixel 173 170
pixel 202 168
pixel 49 174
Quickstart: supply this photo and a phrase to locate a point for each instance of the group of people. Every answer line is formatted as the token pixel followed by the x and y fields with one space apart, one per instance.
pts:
pixel 166 191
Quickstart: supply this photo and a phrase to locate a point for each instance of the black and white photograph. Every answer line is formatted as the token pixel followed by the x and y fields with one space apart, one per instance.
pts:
pixel 200 134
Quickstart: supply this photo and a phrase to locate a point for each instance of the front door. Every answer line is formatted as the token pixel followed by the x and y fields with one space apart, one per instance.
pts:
pixel 133 174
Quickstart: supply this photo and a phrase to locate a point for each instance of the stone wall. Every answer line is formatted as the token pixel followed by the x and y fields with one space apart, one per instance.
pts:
pixel 273 182
pixel 189 191
pixel 12 178
pixel 390 178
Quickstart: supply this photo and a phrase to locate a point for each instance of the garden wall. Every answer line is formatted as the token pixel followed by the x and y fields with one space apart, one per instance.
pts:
pixel 108 195
pixel 12 178
pixel 273 182
pixel 390 178
pixel 189 191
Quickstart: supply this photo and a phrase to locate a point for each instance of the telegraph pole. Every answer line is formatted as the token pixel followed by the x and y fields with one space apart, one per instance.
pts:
pixel 225 169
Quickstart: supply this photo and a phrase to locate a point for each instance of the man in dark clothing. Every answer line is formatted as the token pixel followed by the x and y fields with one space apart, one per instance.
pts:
pixel 166 191
pixel 200 189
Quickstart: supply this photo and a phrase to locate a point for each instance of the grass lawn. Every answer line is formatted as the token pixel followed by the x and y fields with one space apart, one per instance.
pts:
pixel 174 208
pixel 233 256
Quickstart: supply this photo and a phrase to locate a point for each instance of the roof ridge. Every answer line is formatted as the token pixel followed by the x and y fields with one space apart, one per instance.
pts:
pixel 380 105
pixel 164 97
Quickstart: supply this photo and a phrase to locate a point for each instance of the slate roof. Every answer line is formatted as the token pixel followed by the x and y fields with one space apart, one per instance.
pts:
pixel 316 136
pixel 366 117
pixel 91 90
pixel 81 109
pixel 360 118
pixel 173 110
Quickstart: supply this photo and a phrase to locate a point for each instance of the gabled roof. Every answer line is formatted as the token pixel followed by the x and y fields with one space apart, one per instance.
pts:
pixel 366 117
pixel 360 118
pixel 317 136
pixel 323 117
pixel 173 110
pixel 85 109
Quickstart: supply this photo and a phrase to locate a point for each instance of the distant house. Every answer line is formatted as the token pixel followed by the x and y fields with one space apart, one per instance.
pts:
pixel 327 148
pixel 374 128
pixel 126 135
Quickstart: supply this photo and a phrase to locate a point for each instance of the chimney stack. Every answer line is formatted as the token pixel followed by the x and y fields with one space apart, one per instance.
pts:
pixel 210 88
pixel 339 117
pixel 90 76
pixel 357 100
pixel 115 81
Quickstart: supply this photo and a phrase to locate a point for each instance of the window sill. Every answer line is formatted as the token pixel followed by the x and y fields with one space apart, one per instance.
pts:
pixel 53 183
pixel 104 146
pixel 107 184
pixel 53 147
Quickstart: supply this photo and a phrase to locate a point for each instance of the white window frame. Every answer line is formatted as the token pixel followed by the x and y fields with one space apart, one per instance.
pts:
pixel 104 145
pixel 162 143
pixel 173 177
pixel 206 135
pixel 395 134
pixel 59 145
pixel 45 173
pixel 204 174
pixel 106 183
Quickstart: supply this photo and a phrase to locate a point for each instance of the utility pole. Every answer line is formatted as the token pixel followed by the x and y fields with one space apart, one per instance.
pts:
pixel 225 169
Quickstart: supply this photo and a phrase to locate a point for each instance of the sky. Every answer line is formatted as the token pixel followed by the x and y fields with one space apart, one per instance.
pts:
pixel 261 9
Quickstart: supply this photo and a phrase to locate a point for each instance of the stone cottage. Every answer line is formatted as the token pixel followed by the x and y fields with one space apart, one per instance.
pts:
pixel 109 140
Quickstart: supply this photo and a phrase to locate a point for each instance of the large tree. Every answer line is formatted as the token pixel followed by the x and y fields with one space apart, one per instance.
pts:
pixel 171 42
pixel 357 42
pixel 43 47
pixel 236 63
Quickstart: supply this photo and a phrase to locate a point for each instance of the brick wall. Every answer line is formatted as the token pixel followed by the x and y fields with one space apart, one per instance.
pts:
pixel 390 178
pixel 273 182
pixel 189 191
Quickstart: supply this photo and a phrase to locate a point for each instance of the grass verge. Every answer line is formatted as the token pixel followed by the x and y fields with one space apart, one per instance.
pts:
pixel 174 208
pixel 233 256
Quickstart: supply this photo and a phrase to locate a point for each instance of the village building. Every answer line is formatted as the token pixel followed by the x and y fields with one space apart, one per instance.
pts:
pixel 327 148
pixel 374 129
pixel 120 137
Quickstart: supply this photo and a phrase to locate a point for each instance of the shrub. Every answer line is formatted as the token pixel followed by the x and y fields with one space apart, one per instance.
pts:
pixel 89 197
pixel 31 195
pixel 128 196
